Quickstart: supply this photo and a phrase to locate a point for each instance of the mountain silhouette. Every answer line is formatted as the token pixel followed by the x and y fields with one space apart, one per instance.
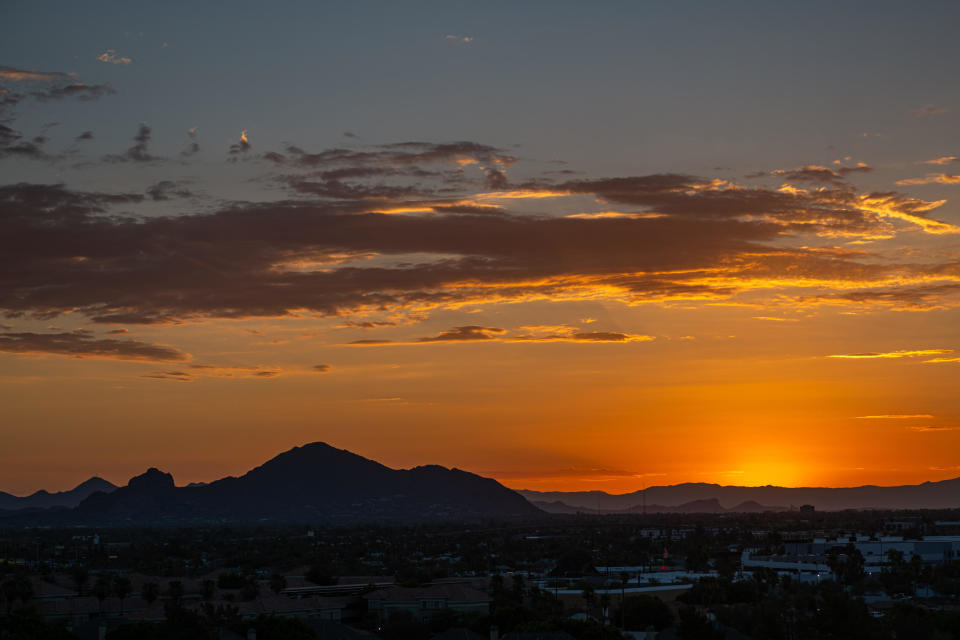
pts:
pixel 312 483
pixel 711 505
pixel 44 500
pixel 928 495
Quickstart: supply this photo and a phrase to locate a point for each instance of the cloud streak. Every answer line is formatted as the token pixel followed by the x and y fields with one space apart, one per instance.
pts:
pixel 82 344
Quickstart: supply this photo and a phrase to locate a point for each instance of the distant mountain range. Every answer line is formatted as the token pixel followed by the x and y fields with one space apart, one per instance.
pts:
pixel 317 483
pixel 714 498
pixel 312 483
pixel 45 500
pixel 711 505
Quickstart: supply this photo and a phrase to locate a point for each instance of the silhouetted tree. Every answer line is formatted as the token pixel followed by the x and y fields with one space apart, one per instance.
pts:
pixel 150 592
pixel 175 591
pixel 640 611
pixel 277 583
pixel 122 588
pixel 101 589
pixel 80 575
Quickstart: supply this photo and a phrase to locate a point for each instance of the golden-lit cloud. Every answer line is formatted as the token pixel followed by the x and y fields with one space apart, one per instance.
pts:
pixel 22 75
pixel 536 334
pixel 927 429
pixel 110 56
pixel 904 353
pixel 932 178
pixel 943 160
pixel 896 416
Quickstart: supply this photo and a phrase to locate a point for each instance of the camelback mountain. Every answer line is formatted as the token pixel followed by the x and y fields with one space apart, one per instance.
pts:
pixel 312 483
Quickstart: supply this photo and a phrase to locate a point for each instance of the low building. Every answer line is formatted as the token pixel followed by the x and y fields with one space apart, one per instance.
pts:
pixel 424 602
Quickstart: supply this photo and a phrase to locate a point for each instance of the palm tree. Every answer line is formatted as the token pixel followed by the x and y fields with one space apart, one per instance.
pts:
pixel 101 589
pixel 122 589
pixel 588 596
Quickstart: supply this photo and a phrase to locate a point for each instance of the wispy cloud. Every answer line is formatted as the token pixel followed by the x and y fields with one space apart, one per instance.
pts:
pixel 474 333
pixel 928 110
pixel 82 344
pixel 896 416
pixel 458 39
pixel 904 353
pixel 932 178
pixel 927 429
pixel 943 160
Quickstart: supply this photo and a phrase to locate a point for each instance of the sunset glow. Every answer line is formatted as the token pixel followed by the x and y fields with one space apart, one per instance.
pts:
pixel 582 251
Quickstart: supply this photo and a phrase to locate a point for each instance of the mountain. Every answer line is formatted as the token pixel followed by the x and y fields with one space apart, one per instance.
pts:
pixel 929 495
pixel 696 506
pixel 45 500
pixel 312 483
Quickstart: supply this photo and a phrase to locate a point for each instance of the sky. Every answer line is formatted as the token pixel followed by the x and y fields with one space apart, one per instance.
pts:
pixel 564 245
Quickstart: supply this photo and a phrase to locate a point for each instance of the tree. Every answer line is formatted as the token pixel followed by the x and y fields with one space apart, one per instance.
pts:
pixel 80 575
pixel 9 589
pixel 250 589
pixel 693 626
pixel 589 595
pixel 277 583
pixel 101 589
pixel 209 588
pixel 150 592
pixel 122 588
pixel 175 591
pixel 641 611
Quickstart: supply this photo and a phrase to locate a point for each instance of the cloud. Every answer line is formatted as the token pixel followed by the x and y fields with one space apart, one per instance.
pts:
pixel 321 368
pixel 357 243
pixel 139 152
pixel 819 174
pixel 932 178
pixel 905 353
pixel 193 147
pixel 896 416
pixel 233 372
pixel 11 74
pixel 77 91
pixel 86 135
pixel 166 190
pixel 82 344
pixel 458 39
pixel 932 429
pixel 242 146
pixel 584 336
pixel 943 160
pixel 110 56
pixel 927 111
pixel 475 333
pixel 12 144
pixel 941 360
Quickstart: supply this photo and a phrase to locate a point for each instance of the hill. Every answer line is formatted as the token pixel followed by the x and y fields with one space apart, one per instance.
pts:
pixel 312 483
pixel 45 500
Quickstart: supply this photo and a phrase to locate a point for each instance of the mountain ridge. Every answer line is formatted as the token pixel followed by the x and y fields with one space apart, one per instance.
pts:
pixel 942 494
pixel 44 499
pixel 314 482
